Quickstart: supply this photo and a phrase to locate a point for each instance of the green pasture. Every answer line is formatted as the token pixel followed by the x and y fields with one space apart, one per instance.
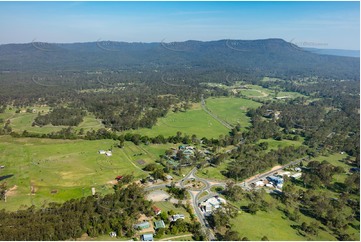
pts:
pixel 232 110
pixel 276 144
pixel 335 160
pixel 194 121
pixel 58 170
pixel 273 224
pixel 23 121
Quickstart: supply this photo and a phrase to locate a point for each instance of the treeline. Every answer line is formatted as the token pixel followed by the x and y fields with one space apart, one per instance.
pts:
pixel 68 221
pixel 60 116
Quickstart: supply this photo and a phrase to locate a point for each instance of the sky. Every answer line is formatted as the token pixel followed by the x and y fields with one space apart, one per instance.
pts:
pixel 330 25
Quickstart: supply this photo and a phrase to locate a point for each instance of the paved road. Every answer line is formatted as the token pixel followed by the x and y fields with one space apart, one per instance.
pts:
pixel 224 123
pixel 195 194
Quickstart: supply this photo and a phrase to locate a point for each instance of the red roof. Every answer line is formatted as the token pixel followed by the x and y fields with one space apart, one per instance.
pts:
pixel 156 209
pixel 119 177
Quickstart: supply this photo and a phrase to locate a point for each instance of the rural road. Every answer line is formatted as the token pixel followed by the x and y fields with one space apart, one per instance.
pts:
pixel 195 194
pixel 204 107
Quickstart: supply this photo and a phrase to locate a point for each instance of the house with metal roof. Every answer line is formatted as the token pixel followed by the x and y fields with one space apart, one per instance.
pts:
pixel 147 237
pixel 143 225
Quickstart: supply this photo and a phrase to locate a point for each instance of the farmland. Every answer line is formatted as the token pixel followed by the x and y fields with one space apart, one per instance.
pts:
pixel 232 110
pixel 194 121
pixel 23 121
pixel 58 170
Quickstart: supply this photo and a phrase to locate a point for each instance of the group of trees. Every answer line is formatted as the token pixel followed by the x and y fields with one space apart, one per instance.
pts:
pixel 92 215
pixel 61 116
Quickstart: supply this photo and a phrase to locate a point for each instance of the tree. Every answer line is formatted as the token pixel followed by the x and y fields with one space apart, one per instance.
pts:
pixel 231 235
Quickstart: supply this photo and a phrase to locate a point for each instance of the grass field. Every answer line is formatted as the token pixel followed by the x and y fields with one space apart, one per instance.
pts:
pixel 276 144
pixel 272 224
pixel 22 121
pixel 69 167
pixel 213 173
pixel 194 121
pixel 232 110
pixel 335 159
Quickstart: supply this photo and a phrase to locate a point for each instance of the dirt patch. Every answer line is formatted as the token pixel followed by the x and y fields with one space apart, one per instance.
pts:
pixel 11 191
pixel 158 196
pixel 112 182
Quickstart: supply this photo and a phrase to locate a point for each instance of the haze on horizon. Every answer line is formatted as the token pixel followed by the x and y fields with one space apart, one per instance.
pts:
pixel 329 25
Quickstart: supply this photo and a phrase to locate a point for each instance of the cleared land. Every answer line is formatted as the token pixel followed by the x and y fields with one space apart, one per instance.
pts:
pixel 194 121
pixel 232 110
pixel 273 224
pixel 46 170
pixel 23 121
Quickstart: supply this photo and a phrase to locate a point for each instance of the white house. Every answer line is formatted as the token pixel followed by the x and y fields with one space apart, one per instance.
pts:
pixel 102 152
pixel 108 153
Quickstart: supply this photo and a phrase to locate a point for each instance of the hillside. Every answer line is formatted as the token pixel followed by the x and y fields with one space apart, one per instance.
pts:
pixel 270 57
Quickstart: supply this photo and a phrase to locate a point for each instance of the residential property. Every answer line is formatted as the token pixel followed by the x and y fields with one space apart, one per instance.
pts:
pixel 142 225
pixel 108 153
pixel 159 224
pixel 147 237
pixel 175 217
pixel 188 152
pixel 156 210
pixel 102 152
pixel 169 177
pixel 113 234
pixel 212 203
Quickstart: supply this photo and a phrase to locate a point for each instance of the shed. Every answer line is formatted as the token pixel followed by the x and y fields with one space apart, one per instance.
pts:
pixel 147 237
pixel 159 224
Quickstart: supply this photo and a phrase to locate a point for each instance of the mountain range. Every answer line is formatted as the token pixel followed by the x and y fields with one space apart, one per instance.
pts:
pixel 266 57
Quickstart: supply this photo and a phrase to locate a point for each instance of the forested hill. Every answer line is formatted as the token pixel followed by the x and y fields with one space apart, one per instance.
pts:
pixel 264 57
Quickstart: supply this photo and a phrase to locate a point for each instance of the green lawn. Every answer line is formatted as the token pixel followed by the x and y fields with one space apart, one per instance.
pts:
pixel 168 206
pixel 232 110
pixel 211 172
pixel 194 121
pixel 71 167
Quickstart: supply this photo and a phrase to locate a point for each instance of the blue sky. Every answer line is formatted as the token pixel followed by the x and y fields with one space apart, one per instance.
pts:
pixel 307 24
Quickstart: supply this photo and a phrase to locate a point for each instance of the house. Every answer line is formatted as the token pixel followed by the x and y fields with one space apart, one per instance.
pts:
pixel 113 234
pixel 181 147
pixel 169 177
pixel 175 217
pixel 259 183
pixel 2 167
pixel 102 152
pixel 298 169
pixel 142 225
pixel 156 210
pixel 159 224
pixel 147 237
pixel 108 153
pixel 188 152
pixel 189 148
